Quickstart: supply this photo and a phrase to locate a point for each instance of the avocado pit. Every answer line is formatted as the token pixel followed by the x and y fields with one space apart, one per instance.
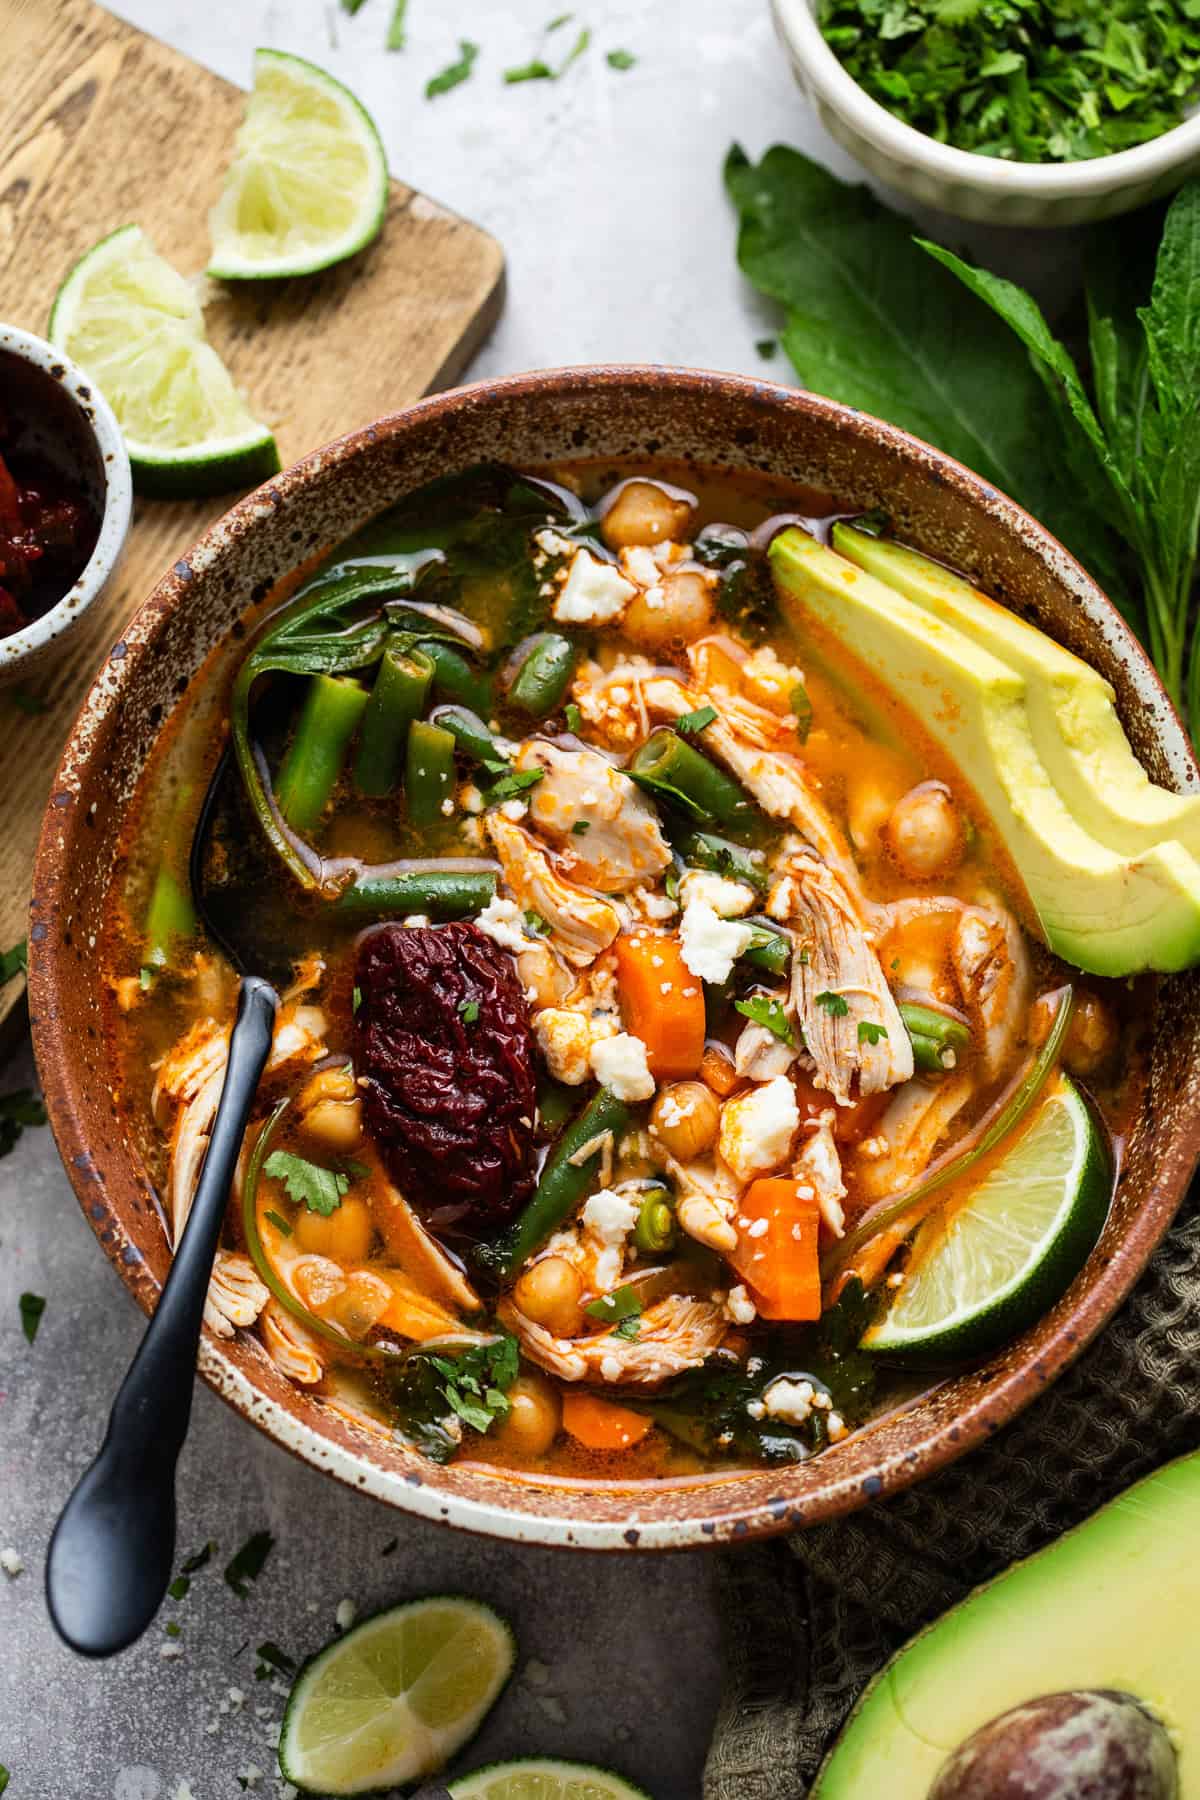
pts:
pixel 1094 1745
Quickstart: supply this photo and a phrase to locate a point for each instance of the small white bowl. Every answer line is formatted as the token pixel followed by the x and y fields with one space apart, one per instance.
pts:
pixel 985 188
pixel 71 424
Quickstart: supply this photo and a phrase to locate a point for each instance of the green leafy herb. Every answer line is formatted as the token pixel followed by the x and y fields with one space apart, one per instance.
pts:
pixel 515 783
pixel 614 1308
pixel 17 1110
pixel 199 1560
pixel 620 59
pixel 247 1564
pixel 535 925
pixel 173 1628
pixel 396 37
pixel 802 711
pixel 835 1004
pixel 469 1011
pixel 31 1306
pixel 351 6
pixel 574 717
pixel 540 70
pixel 536 70
pixel 869 1032
pixel 767 1012
pixel 272 1658
pixel 475 1383
pixel 766 347
pixel 3 1778
pixel 356 999
pixel 179 1587
pixel 146 976
pixel 455 73
pixel 1027 80
pixel 307 1183
pixel 581 827
pixel 279 1222
pixel 688 723
pixel 13 962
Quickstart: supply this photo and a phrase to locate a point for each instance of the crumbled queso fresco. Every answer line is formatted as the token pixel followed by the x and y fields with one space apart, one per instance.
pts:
pixel 710 945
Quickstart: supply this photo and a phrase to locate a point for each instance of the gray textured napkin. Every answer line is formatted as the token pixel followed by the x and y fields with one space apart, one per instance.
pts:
pixel 808 1620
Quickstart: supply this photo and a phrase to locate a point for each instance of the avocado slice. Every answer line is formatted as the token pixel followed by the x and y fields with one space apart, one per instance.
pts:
pixel 1112 1605
pixel 1071 712
pixel 1105 912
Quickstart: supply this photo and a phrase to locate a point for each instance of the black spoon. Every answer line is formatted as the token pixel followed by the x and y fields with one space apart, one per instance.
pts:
pixel 112 1552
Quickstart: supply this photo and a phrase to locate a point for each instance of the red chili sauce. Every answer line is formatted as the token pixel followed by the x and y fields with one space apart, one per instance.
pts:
pixel 48 530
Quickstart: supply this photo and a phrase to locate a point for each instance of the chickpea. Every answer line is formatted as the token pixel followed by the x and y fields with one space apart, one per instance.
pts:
pixel 685 1118
pixel 717 1071
pixel 534 1415
pixel 1091 1036
pixel 870 801
pixel 551 1294
pixel 683 613
pixel 643 512
pixel 346 1235
pixel 331 1109
pixel 925 832
pixel 543 977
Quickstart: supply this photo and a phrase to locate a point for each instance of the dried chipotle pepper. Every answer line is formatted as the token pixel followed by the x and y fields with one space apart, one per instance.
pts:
pixel 445 1050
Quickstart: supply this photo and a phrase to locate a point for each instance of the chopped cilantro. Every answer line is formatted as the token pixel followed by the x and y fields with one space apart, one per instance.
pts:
pixel 617 1308
pixel 17 1110
pixel 3 1778
pixel 321 1190
pixel 173 1628
pixel 768 1012
pixel 351 6
pixel 558 21
pixel 869 1032
pixel 475 1383
pixel 32 1306
pixel 356 999
pixel 574 717
pixel 538 69
pixel 835 1004
pixel 279 1222
pixel 581 827
pixel 395 36
pixel 179 1587
pixel 620 59
pixel 804 956
pixel 535 925
pixel 766 347
pixel 510 786
pixel 270 1657
pixel 13 962
pixel 247 1564
pixel 691 722
pixel 802 711
pixel 455 73
pixel 390 1548
pixel 469 1010
pixel 201 1557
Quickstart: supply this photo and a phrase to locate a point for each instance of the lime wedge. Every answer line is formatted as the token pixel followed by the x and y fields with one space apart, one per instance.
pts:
pixel 988 1266
pixel 308 184
pixel 394 1699
pixel 135 325
pixel 538 1778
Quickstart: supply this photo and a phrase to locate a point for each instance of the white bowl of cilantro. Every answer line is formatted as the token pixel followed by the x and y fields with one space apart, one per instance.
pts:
pixel 1017 112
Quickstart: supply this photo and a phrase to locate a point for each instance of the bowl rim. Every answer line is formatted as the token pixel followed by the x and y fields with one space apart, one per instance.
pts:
pixel 1143 163
pixel 100 422
pixel 731 1519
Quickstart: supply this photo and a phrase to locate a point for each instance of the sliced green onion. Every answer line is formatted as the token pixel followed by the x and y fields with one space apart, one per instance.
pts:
pixel 655 1228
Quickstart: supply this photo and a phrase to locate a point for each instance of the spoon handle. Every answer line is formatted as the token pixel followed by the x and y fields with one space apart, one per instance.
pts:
pixel 112 1552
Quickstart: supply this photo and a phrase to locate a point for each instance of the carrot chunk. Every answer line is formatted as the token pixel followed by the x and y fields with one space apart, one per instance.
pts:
pixel 662 1003
pixel 776 1253
pixel 602 1424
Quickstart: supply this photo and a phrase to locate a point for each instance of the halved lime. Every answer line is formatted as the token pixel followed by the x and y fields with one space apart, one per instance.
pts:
pixel 308 184
pixel 989 1265
pixel 134 323
pixel 539 1778
pixel 396 1697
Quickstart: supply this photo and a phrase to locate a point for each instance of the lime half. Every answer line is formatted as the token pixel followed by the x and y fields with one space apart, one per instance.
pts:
pixel 538 1778
pixel 133 322
pixel 308 184
pixel 988 1266
pixel 394 1699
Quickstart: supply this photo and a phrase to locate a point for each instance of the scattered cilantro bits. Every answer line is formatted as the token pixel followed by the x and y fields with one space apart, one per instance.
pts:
pixel 273 1660
pixel 469 1009
pixel 836 1005
pixel 455 73
pixel 31 1307
pixel 1026 80
pixel 475 1384
pixel 690 723
pixel 202 1557
pixel 513 785
pixel 869 1032
pixel 766 347
pixel 768 1012
pixel 307 1183
pixel 13 962
pixel 17 1110
pixel 246 1565
pixel 396 35
pixel 621 59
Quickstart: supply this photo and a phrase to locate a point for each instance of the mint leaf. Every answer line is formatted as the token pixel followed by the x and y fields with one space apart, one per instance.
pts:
pixel 767 1012
pixel 307 1183
pixel 31 1307
pixel 455 73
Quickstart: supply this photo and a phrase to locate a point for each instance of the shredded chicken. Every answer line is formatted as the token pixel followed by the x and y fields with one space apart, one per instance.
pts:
pixel 235 1296
pixel 759 1055
pixel 675 1334
pixel 581 925
pixel 918 1116
pixel 839 992
pixel 819 1166
pixel 708 1193
pixel 991 965
pixel 622 841
pixel 295 1352
pixel 419 1254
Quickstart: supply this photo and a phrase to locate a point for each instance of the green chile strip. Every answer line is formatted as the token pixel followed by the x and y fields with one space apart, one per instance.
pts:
pixel 723 857
pixel 429 772
pixel 769 950
pixel 454 678
pixel 563 1183
pixel 665 766
pixel 328 719
pixel 473 737
pixel 398 697
pixel 541 681
pixel 442 893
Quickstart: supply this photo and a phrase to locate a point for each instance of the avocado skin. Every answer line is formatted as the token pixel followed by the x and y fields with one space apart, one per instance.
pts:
pixel 1103 911
pixel 1111 1606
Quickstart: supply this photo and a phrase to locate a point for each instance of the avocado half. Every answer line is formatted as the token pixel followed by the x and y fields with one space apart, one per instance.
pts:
pixel 1111 1606
pixel 1108 911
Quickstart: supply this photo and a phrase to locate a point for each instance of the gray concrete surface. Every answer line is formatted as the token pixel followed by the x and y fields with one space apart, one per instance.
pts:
pixel 606 193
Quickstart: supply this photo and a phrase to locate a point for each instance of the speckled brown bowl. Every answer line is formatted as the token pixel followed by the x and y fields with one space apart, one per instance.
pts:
pixel 617 413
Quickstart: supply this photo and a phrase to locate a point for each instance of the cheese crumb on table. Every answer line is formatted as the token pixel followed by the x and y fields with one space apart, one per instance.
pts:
pixel 11 1562
pixel 345 1614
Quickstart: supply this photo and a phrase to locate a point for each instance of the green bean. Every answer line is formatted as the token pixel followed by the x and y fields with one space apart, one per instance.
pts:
pixel 768 949
pixel 472 736
pixel 541 681
pixel 429 773
pixel 563 1184
pixel 665 766
pixel 454 678
pixel 170 915
pixel 401 689
pixel 332 709
pixel 704 851
pixel 933 1034
pixel 655 1228
pixel 554 1104
pixel 442 893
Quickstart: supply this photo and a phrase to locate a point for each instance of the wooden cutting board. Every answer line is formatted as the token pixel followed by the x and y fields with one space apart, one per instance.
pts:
pixel 102 126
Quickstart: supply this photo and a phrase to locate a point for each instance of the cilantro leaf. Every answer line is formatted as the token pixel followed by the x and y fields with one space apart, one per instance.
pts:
pixel 321 1190
pixel 512 785
pixel 13 962
pixel 621 59
pixel 200 1558
pixel 835 1004
pixel 179 1587
pixel 17 1110
pixel 31 1306
pixel 617 1308
pixel 768 1012
pixel 581 827
pixel 469 1011
pixel 455 73
pixel 246 1565
pixel 688 723
pixel 574 717
pixel 869 1032
pixel 271 1657
pixel 475 1383
pixel 535 925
